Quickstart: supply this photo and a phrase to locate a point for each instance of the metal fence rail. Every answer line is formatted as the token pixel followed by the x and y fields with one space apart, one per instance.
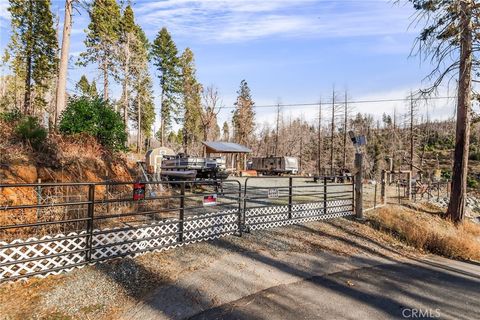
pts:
pixel 42 235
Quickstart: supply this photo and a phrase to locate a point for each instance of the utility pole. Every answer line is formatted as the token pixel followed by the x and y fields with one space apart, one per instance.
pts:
pixel 332 132
pixel 320 141
pixel 344 164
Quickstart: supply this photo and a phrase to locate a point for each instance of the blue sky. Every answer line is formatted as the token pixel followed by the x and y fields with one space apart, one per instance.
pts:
pixel 288 51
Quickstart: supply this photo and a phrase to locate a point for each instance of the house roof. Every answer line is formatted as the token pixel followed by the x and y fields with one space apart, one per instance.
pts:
pixel 225 147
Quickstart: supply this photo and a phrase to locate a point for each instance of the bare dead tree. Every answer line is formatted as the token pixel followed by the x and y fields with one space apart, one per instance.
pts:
pixel 211 106
pixel 275 147
pixel 345 123
pixel 332 133
pixel 320 140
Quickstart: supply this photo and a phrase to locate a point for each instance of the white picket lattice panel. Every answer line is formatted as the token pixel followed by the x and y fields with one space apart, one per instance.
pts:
pixel 120 242
pixel 277 216
pixel 57 253
pixel 60 255
pixel 211 226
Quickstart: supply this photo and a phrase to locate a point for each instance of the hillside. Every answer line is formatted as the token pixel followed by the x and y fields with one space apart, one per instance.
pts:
pixel 76 158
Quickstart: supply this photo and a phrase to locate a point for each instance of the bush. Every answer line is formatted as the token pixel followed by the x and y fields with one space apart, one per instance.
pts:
pixel 472 183
pixel 30 131
pixel 446 174
pixel 11 115
pixel 475 156
pixel 97 118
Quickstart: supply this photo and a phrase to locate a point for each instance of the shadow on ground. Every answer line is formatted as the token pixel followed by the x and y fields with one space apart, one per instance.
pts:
pixel 377 284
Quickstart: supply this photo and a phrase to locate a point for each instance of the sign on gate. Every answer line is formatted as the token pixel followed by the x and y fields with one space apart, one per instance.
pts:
pixel 273 193
pixel 210 200
pixel 138 191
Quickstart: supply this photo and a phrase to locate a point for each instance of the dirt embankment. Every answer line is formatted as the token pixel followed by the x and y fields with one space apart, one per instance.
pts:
pixel 60 159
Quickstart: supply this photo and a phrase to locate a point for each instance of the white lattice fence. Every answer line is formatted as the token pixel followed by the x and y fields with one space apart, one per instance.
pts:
pixel 211 226
pixel 53 255
pixel 116 242
pixel 46 255
pixel 276 216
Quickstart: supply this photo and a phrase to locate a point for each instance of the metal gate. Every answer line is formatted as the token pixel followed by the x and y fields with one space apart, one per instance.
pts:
pixel 275 201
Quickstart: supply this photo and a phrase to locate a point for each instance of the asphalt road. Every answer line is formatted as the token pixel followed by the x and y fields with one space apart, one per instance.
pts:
pixel 428 289
pixel 293 285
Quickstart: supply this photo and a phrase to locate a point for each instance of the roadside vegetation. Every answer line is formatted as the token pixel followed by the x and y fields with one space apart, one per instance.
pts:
pixel 425 229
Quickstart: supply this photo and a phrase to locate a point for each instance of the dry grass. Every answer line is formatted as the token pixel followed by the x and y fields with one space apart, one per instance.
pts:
pixel 429 232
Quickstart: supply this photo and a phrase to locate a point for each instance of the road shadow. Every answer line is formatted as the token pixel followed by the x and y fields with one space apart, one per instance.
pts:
pixel 387 288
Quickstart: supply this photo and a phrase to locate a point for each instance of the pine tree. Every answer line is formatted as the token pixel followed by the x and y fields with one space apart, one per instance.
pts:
pixel 142 109
pixel 128 40
pixel 225 132
pixel 191 90
pixel 164 53
pixel 102 39
pixel 85 88
pixel 61 93
pixel 243 115
pixel 33 46
pixel 243 118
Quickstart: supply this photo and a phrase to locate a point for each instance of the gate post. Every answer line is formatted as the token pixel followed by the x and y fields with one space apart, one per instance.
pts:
pixel 358 185
pixel 181 213
pixel 383 181
pixel 290 193
pixel 240 215
pixel 324 195
pixel 90 213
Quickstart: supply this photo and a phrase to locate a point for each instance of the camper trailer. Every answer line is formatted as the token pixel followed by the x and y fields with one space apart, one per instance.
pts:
pixel 274 165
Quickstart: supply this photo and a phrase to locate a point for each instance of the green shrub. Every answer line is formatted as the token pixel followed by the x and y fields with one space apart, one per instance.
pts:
pixel 11 115
pixel 30 130
pixel 472 182
pixel 446 174
pixel 474 156
pixel 97 118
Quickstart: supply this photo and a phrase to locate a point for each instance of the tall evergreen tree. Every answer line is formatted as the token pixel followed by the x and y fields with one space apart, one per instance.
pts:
pixel 61 93
pixel 191 96
pixel 243 115
pixel 225 131
pixel 86 88
pixel 128 41
pixel 33 46
pixel 165 57
pixel 243 118
pixel 102 39
pixel 142 109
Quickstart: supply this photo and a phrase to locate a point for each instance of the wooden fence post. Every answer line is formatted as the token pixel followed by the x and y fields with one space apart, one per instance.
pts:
pixel 383 181
pixel 358 185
